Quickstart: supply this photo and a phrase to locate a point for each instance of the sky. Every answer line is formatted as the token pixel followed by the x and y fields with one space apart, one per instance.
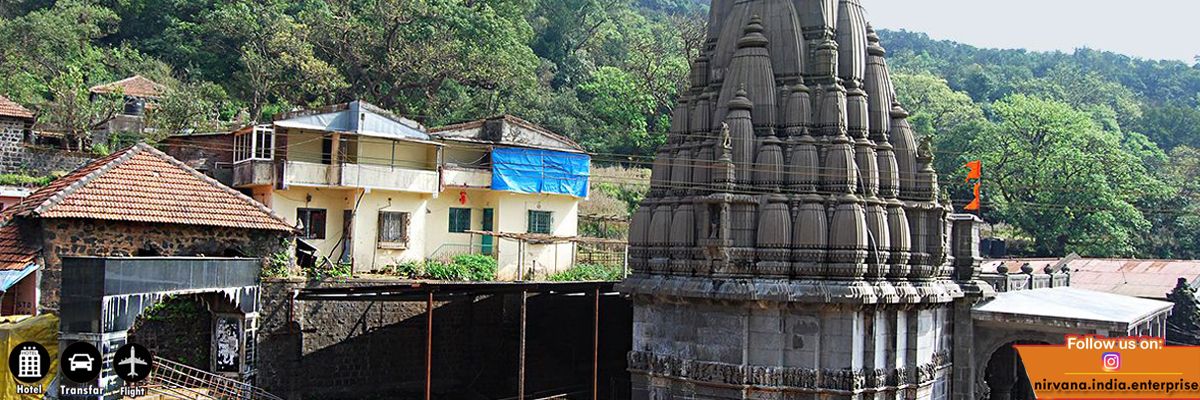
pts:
pixel 1152 29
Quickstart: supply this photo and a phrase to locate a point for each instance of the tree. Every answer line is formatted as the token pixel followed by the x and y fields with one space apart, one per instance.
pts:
pixel 279 62
pixel 188 107
pixel 1057 175
pixel 1176 231
pixel 616 99
pixel 1183 326
pixel 428 59
pixel 76 113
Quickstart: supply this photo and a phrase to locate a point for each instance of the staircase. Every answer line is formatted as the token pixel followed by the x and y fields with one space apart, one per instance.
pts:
pixel 170 380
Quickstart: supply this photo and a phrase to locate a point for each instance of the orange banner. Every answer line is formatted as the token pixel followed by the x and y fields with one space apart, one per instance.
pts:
pixel 1097 367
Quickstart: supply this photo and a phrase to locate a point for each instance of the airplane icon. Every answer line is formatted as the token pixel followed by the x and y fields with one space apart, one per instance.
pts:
pixel 132 361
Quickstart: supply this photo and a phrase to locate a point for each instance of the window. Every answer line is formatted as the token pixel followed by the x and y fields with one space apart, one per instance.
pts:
pixel 460 220
pixel 258 144
pixel 312 223
pixel 393 227
pixel 540 221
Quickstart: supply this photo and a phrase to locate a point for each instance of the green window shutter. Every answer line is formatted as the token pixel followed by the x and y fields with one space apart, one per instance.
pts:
pixel 460 220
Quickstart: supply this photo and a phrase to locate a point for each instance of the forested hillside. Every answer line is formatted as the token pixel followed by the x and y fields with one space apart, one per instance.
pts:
pixel 603 71
pixel 1086 152
pixel 1089 152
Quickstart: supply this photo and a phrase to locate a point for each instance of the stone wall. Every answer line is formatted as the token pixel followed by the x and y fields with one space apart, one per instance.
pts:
pixel 17 156
pixel 178 329
pixel 335 350
pixel 42 161
pixel 96 238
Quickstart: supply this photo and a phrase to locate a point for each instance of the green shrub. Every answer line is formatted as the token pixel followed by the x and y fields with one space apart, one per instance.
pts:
pixel 335 270
pixel 477 267
pixel 406 269
pixel 589 272
pixel 442 271
pixel 24 180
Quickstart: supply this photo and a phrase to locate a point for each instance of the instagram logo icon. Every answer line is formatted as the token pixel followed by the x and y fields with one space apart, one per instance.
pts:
pixel 1111 361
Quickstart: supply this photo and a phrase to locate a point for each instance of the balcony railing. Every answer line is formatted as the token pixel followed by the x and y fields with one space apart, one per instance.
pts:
pixel 364 176
pixel 388 178
pixel 253 173
pixel 298 173
pixel 467 177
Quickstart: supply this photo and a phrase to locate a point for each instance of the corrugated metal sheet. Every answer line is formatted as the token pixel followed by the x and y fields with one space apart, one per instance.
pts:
pixel 1140 278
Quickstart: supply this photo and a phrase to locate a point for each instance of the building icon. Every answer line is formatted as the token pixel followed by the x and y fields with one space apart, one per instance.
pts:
pixel 29 363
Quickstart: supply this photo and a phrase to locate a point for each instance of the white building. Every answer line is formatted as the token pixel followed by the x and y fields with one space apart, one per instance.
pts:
pixel 374 189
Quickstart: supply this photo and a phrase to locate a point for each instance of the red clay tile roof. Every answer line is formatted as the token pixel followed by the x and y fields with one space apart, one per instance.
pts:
pixel 9 108
pixel 142 184
pixel 15 253
pixel 134 86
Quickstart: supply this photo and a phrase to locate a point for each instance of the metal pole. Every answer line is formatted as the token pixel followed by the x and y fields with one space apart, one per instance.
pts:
pixel 596 345
pixel 429 346
pixel 521 353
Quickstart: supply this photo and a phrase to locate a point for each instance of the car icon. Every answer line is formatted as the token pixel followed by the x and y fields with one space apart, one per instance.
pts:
pixel 81 361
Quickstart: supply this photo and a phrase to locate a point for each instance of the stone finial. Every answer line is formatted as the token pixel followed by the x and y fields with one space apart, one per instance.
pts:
pixel 753 34
pixel 741 101
pixel 874 47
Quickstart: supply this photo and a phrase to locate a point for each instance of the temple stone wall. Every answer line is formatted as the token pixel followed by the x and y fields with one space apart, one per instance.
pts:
pixel 790 351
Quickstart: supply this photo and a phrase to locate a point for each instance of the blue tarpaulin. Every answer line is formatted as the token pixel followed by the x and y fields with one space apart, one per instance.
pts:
pixel 540 171
pixel 8 278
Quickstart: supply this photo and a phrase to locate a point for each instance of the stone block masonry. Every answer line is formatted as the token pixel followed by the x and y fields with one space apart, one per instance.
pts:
pixel 97 238
pixel 17 157
pixel 361 350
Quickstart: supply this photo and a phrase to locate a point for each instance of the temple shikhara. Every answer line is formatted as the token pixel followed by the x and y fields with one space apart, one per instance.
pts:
pixel 795 243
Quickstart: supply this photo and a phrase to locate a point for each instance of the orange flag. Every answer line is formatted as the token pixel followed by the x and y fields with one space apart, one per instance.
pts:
pixel 975 170
pixel 974 206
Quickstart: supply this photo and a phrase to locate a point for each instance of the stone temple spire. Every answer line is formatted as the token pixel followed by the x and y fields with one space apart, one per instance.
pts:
pixel 792 190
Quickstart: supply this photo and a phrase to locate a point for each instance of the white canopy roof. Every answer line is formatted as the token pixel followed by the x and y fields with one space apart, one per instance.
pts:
pixel 1070 304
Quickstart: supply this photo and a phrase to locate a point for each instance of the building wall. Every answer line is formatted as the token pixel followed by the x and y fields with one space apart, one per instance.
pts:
pixel 93 238
pixel 368 255
pixel 375 151
pixel 12 135
pixel 429 234
pixel 303 145
pixel 364 228
pixel 17 157
pixel 442 243
pixel 539 259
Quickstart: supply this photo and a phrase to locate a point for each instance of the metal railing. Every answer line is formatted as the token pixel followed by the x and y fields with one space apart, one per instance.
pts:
pixel 176 380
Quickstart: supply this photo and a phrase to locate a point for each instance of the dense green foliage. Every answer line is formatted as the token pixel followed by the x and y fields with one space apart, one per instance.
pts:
pixel 588 272
pixel 1090 152
pixel 604 71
